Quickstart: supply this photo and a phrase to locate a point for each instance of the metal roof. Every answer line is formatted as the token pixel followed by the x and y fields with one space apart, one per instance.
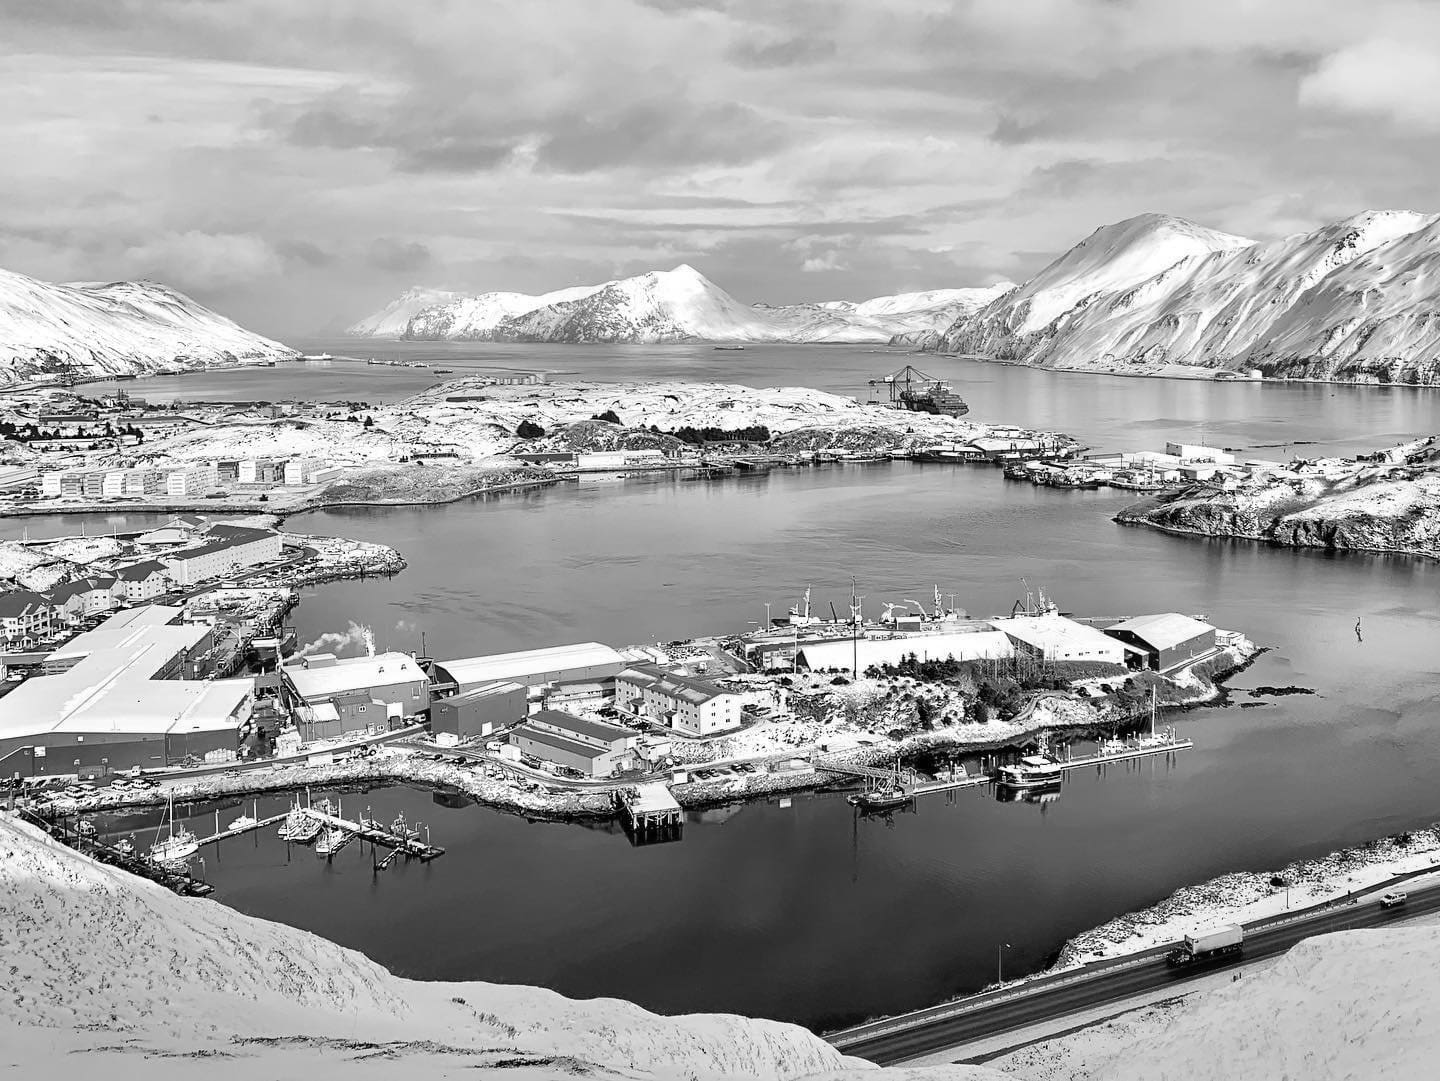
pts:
pixel 969 646
pixel 560 743
pixel 1163 630
pixel 531 662
pixel 1053 631
pixel 582 725
pixel 489 690
pixel 674 684
pixel 353 674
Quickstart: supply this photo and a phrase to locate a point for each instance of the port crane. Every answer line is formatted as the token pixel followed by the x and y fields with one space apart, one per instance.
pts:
pixel 910 388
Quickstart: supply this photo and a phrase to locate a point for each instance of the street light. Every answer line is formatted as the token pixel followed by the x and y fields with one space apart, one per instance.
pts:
pixel 999 959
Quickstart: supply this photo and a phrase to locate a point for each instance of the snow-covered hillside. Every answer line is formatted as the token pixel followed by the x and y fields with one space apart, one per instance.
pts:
pixel 1354 299
pixel 106 969
pixel 665 306
pixel 118 328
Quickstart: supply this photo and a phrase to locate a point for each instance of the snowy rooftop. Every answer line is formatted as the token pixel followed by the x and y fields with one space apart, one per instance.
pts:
pixel 354 673
pixel 969 646
pixel 1164 630
pixel 531 662
pixel 1054 632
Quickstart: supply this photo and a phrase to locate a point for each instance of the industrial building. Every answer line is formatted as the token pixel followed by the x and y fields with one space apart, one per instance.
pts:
pixel 482 711
pixel 695 707
pixel 229 548
pixel 116 698
pixel 354 694
pixel 1053 637
pixel 578 663
pixel 1167 640
pixel 592 748
pixel 842 653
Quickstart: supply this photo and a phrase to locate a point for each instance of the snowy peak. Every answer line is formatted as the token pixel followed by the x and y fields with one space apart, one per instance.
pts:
pixel 1352 299
pixel 79 330
pixel 680 304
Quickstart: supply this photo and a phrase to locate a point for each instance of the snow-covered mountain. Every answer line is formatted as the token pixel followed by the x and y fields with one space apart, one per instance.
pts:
pixel 1355 299
pixel 664 306
pixel 87 329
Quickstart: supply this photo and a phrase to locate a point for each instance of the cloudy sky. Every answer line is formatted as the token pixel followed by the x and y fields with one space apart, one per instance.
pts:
pixel 296 163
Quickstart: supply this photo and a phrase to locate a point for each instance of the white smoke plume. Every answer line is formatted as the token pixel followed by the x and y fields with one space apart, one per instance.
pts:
pixel 336 642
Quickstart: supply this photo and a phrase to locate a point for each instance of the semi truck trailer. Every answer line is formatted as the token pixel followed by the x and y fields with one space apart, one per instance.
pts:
pixel 1205 945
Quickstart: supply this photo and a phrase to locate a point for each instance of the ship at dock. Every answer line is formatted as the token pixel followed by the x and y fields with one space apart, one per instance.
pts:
pixel 913 390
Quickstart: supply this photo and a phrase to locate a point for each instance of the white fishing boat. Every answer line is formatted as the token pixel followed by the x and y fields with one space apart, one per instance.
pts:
pixel 178 846
pixel 333 841
pixel 1031 771
pixel 300 827
pixel 124 846
pixel 244 822
pixel 85 828
pixel 402 829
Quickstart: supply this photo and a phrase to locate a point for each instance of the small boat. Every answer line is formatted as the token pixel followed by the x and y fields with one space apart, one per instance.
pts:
pixel 334 840
pixel 85 828
pixel 881 799
pixel 402 829
pixel 244 822
pixel 729 348
pixel 178 847
pixel 1031 771
pixel 444 371
pixel 299 827
pixel 124 846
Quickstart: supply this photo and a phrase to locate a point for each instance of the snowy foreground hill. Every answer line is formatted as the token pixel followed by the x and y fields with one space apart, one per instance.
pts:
pixel 112 976
pixel 1356 299
pixel 121 328
pixel 663 306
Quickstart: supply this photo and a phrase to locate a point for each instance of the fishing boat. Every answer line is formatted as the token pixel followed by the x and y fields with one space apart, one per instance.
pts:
pixel 333 841
pixel 1032 771
pixel 444 371
pixel 124 846
pixel 370 822
pixel 244 822
pixel 299 827
pixel 85 828
pixel 178 846
pixel 402 829
pixel 884 797
pixel 729 348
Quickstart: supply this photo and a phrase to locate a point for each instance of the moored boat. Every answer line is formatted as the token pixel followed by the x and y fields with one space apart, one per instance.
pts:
pixel 244 822
pixel 178 846
pixel 334 840
pixel 881 799
pixel 1031 771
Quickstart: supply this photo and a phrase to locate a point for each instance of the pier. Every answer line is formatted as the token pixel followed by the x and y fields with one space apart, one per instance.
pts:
pixel 399 845
pixel 649 813
pixel 914 785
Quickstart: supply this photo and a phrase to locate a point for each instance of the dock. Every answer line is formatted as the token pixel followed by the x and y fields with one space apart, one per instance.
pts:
pixel 377 835
pixel 914 785
pixel 649 813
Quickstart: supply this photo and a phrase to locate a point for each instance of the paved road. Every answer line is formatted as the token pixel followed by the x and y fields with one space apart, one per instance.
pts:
pixel 955 1024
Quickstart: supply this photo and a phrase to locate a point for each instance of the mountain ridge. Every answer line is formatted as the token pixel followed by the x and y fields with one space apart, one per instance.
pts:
pixel 96 329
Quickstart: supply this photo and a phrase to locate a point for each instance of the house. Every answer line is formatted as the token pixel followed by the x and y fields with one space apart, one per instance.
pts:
pixel 227 549
pixel 76 600
pixel 364 693
pixel 593 748
pixel 695 707
pixel 25 618
pixel 1167 640
pixel 141 582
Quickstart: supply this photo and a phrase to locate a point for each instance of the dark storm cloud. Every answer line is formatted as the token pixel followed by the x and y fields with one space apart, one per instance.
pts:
pixel 387 253
pixel 660 134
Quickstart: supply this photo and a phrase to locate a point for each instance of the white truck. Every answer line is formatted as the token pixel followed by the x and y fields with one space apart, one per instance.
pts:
pixel 1206 945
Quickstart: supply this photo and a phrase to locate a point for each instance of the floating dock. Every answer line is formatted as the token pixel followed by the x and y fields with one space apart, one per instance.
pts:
pixel 914 786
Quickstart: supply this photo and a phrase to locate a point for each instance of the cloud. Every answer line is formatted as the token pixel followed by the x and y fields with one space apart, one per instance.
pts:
pixel 782 53
pixel 203 261
pixel 400 256
pixel 1399 80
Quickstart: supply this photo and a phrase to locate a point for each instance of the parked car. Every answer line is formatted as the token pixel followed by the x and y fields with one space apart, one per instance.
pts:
pixel 1393 899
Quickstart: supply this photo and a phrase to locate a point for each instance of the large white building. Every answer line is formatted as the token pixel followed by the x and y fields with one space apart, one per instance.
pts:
pixel 115 699
pixel 1053 637
pixel 581 662
pixel 229 548
pixel 842 653
pixel 695 707
pixel 353 694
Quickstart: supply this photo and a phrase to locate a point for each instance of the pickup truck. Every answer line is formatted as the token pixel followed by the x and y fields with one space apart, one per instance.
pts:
pixel 1393 899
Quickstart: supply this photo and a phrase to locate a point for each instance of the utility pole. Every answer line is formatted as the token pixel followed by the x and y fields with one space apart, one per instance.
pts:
pixel 999 962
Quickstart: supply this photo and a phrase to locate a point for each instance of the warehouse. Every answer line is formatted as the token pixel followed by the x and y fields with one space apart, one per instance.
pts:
pixel 112 708
pixel 578 663
pixel 695 707
pixel 841 653
pixel 1054 638
pixel 353 694
pixel 1168 640
pixel 592 748
pixel 482 711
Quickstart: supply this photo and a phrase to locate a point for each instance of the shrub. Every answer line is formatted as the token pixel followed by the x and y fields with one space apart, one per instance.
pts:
pixel 609 415
pixel 528 429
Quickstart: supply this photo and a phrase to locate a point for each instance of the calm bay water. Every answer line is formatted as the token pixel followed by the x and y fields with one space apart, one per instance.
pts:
pixel 804 913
